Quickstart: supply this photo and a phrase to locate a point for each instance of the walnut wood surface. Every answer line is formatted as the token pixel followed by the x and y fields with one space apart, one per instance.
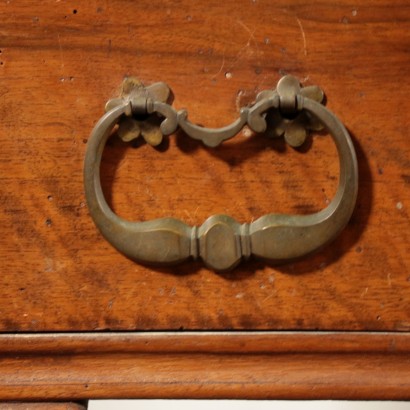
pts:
pixel 60 62
pixel 263 365
pixel 41 406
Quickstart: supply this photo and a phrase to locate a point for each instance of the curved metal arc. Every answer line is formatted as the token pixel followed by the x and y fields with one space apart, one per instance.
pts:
pixel 170 123
pixel 160 241
pixel 281 237
pixel 256 119
pixel 212 137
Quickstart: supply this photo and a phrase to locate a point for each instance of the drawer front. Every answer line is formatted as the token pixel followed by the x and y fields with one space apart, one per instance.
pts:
pixel 59 65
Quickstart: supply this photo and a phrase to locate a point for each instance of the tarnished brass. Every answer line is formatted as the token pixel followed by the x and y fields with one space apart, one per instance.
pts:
pixel 221 242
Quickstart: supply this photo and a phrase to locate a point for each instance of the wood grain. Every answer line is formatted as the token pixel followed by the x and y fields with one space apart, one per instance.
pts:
pixel 59 63
pixel 41 406
pixel 247 365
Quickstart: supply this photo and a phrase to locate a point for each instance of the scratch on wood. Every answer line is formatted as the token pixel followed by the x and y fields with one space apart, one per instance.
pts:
pixel 364 293
pixel 268 297
pixel 238 99
pixel 247 45
pixel 222 65
pixel 251 33
pixel 61 50
pixel 303 35
pixel 191 217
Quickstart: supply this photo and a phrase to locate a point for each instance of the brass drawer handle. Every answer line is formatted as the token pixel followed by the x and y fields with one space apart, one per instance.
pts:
pixel 221 242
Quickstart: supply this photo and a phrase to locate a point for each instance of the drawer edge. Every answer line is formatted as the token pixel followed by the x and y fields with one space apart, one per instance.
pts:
pixel 234 365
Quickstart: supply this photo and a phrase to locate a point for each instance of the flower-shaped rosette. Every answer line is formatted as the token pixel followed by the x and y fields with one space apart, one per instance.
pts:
pixel 148 126
pixel 294 130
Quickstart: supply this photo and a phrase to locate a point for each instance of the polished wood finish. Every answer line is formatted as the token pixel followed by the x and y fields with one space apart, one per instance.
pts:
pixel 263 365
pixel 41 406
pixel 60 63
